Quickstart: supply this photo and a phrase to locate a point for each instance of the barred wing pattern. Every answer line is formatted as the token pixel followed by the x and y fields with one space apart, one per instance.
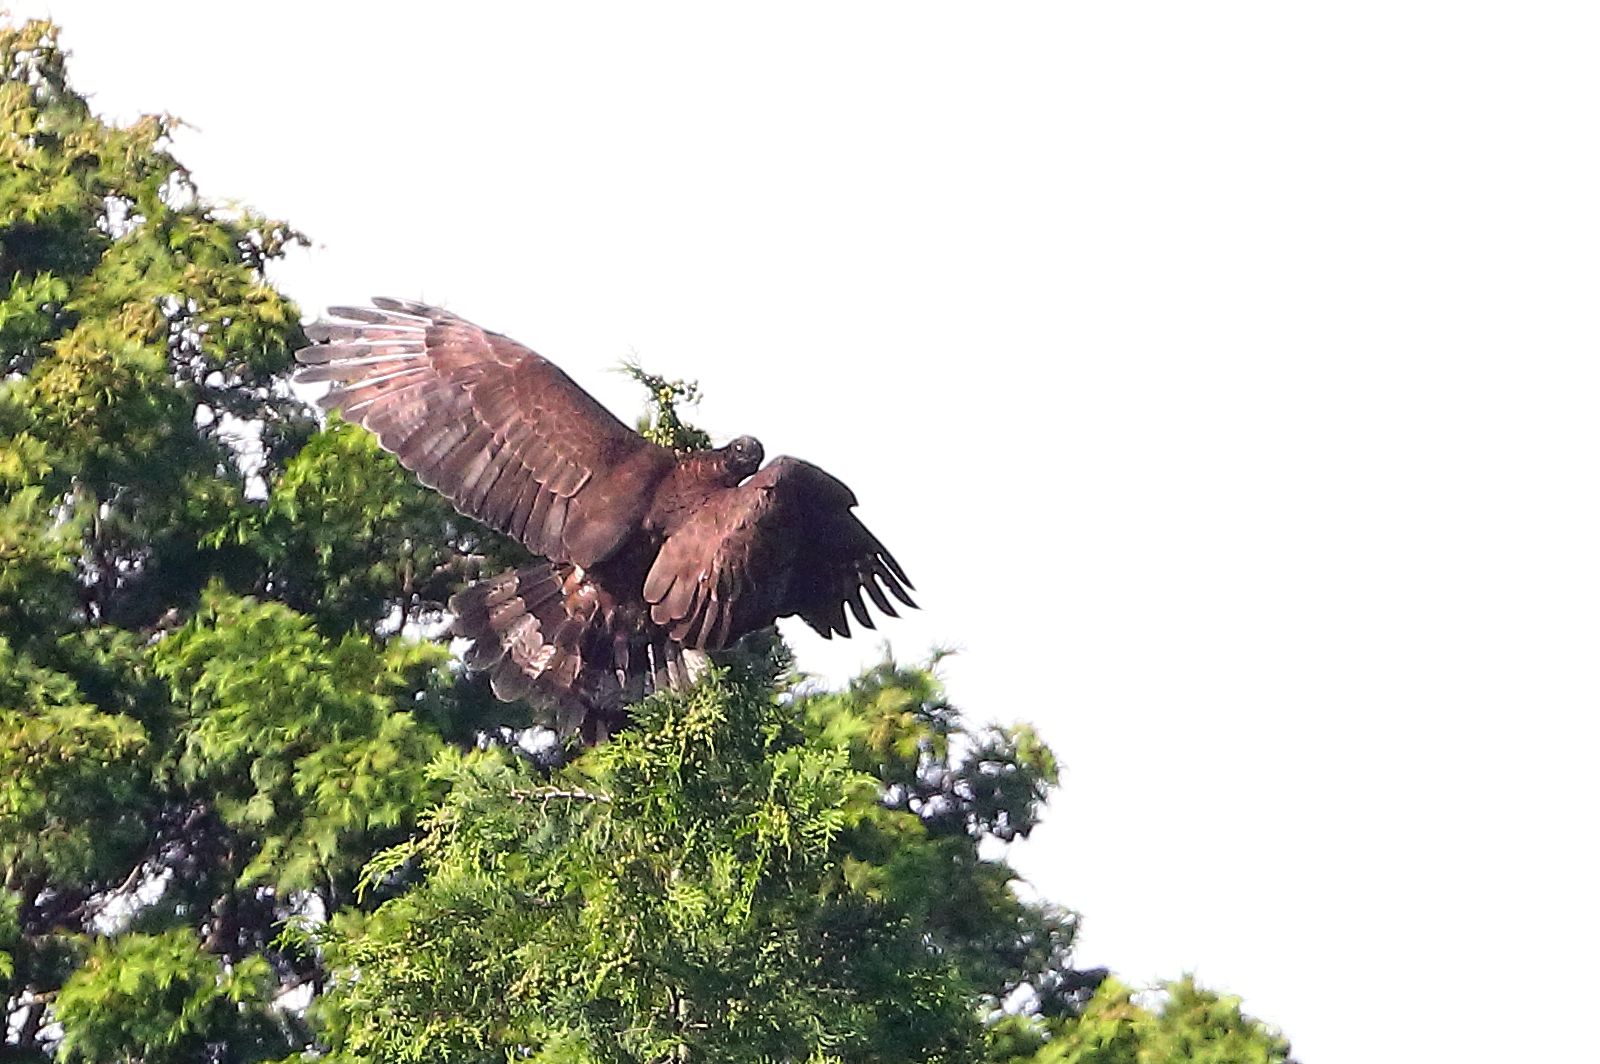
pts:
pixel 783 542
pixel 645 552
pixel 498 430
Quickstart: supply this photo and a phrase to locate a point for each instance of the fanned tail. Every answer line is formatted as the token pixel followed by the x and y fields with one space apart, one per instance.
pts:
pixel 545 632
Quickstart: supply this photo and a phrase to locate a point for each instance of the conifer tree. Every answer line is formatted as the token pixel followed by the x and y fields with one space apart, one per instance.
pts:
pixel 199 729
pixel 234 777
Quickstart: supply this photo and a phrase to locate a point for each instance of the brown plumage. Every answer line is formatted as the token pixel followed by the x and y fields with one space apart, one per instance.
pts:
pixel 645 551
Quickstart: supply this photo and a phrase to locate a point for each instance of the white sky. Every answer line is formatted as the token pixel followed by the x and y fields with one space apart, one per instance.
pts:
pixel 1224 375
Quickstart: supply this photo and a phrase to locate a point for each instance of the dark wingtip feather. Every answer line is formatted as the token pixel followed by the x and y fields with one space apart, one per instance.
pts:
pixel 859 609
pixel 869 581
pixel 893 583
pixel 894 567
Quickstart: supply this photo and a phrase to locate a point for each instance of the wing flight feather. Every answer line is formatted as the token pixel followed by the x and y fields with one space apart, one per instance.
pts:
pixel 784 542
pixel 501 432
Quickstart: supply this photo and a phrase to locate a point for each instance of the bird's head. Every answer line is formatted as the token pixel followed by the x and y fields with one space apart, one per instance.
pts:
pixel 743 456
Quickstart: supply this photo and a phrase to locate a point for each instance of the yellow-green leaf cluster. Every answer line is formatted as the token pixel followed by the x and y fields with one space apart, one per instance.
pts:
pixel 300 737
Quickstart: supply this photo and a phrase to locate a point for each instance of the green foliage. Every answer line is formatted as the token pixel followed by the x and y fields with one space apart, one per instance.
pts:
pixel 677 893
pixel 10 935
pixel 332 514
pixel 228 767
pixel 947 791
pixel 179 762
pixel 72 794
pixel 1191 1026
pixel 133 321
pixel 350 537
pixel 661 423
pixel 158 998
pixel 38 552
pixel 297 737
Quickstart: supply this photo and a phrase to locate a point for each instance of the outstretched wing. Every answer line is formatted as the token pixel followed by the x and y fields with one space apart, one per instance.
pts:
pixel 498 430
pixel 783 542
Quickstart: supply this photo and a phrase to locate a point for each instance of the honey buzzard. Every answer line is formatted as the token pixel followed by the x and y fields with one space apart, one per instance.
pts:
pixel 643 552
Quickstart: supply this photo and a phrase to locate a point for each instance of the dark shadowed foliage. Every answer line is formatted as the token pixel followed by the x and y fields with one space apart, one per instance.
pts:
pixel 250 811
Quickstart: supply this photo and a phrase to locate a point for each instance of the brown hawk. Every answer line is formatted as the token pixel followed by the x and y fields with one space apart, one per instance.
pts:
pixel 646 551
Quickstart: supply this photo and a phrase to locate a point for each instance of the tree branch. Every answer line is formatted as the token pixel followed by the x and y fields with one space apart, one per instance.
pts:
pixel 545 794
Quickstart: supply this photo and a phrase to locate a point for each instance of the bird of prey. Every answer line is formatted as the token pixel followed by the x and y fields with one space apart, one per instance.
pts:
pixel 642 552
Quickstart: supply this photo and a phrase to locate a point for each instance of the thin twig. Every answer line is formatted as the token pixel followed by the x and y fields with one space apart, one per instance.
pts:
pixel 544 794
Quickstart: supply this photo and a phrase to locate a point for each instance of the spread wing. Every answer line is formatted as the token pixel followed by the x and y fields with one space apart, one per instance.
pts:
pixel 783 542
pixel 495 428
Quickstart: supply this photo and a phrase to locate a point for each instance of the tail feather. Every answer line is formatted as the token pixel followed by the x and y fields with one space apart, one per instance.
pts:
pixel 547 633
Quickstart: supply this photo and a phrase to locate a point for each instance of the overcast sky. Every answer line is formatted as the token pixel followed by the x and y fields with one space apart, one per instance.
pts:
pixel 1223 374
